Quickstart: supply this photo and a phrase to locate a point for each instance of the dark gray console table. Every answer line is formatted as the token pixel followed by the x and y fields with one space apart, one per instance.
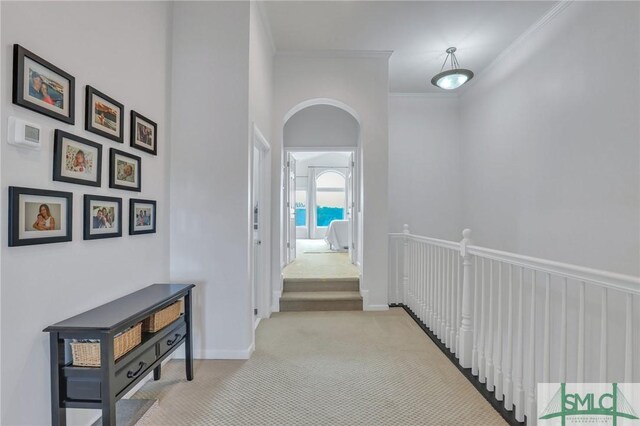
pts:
pixel 101 387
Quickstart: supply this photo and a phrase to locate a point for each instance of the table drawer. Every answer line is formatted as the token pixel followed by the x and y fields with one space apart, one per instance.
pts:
pixel 173 338
pixel 136 368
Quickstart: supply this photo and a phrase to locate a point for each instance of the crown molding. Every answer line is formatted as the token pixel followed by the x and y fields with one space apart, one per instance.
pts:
pixel 381 54
pixel 551 14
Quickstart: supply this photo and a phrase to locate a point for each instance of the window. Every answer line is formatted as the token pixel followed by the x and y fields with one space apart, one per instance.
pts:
pixel 301 207
pixel 330 198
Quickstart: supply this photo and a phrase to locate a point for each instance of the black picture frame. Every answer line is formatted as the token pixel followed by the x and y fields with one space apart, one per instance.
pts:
pixel 89 126
pixel 113 171
pixel 59 159
pixel 88 219
pixel 133 219
pixel 135 117
pixel 18 96
pixel 15 213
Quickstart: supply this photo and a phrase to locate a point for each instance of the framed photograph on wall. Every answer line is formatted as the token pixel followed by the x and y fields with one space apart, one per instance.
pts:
pixel 103 115
pixel 102 217
pixel 144 133
pixel 76 159
pixel 142 216
pixel 39 216
pixel 124 170
pixel 42 87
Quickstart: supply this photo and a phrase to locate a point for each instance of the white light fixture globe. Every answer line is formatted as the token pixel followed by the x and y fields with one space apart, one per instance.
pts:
pixel 453 78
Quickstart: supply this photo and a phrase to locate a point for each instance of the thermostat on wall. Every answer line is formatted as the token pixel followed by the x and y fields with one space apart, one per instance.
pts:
pixel 24 134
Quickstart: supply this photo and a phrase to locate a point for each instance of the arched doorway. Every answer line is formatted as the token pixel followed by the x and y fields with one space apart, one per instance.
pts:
pixel 321 209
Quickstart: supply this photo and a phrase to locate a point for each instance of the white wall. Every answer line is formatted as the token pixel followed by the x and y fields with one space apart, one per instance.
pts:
pixel 210 169
pixel 261 51
pixel 48 283
pixel 360 82
pixel 551 161
pixel 551 151
pixel 425 177
pixel 321 126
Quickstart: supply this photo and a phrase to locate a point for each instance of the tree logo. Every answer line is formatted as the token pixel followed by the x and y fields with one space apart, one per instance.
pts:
pixel 588 403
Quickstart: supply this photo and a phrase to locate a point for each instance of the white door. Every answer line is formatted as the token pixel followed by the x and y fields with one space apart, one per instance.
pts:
pixel 291 207
pixel 350 204
pixel 256 228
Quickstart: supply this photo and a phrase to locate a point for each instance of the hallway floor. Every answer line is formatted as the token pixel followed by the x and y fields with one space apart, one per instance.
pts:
pixel 324 368
pixel 313 260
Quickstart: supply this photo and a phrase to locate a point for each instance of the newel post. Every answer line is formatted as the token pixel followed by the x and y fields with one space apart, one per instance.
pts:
pixel 405 264
pixel 466 325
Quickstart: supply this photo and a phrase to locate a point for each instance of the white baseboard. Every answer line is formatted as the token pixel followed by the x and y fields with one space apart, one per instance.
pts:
pixel 376 307
pixel 275 301
pixel 366 306
pixel 256 323
pixel 225 354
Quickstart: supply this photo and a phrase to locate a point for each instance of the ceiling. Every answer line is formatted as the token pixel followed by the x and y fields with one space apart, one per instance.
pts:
pixel 418 32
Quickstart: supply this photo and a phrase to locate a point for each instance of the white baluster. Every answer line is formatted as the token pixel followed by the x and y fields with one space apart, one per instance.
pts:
pixel 489 343
pixel 447 287
pixel 482 362
pixel 476 318
pixel 459 296
pixel 405 266
pixel 427 283
pixel 411 274
pixel 448 301
pixel 397 247
pixel 452 300
pixel 508 382
pixel 433 289
pixel 465 331
pixel 519 390
pixel 423 282
pixel 581 341
pixel 431 286
pixel 603 337
pixel 628 343
pixel 563 334
pixel 499 383
pixel 531 394
pixel 440 287
pixel 547 332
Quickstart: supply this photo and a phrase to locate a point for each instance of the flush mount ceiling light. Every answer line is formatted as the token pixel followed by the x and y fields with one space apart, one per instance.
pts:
pixel 454 77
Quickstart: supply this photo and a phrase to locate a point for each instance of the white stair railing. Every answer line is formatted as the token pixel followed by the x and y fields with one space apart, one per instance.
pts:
pixel 486 307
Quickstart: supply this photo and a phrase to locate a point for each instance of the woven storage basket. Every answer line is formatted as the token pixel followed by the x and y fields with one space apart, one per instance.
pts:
pixel 87 354
pixel 163 318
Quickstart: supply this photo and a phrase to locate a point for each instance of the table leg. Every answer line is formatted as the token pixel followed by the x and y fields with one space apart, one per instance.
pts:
pixel 56 346
pixel 106 366
pixel 189 339
pixel 157 372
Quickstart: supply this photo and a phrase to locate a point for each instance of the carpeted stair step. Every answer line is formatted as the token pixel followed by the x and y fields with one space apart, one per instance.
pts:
pixel 295 301
pixel 321 284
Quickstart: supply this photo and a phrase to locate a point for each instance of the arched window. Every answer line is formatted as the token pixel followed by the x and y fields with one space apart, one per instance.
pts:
pixel 330 197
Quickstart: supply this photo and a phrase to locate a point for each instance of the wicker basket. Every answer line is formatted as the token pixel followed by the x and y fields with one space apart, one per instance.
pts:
pixel 87 354
pixel 163 318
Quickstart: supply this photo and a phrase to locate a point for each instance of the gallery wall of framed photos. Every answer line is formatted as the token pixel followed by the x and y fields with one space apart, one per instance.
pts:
pixel 126 60
pixel 41 215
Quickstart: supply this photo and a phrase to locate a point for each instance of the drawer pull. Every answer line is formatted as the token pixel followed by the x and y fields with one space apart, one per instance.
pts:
pixel 176 338
pixel 132 374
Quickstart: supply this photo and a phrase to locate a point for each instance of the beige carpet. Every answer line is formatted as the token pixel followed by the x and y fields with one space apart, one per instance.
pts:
pixel 319 265
pixel 324 368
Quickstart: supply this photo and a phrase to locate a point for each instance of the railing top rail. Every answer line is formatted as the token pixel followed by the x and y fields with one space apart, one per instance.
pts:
pixel 626 283
pixel 620 282
pixel 434 241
